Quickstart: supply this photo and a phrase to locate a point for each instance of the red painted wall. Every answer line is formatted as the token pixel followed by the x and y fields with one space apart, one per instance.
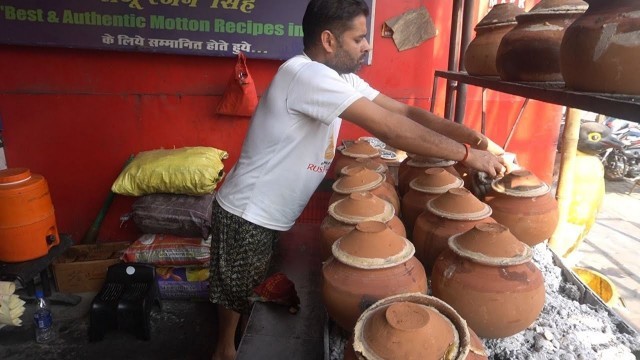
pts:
pixel 75 116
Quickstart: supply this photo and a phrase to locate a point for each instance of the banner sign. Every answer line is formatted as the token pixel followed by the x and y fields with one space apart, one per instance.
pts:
pixel 267 29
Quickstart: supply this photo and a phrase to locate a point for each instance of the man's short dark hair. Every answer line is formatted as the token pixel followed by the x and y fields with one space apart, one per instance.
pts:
pixel 333 15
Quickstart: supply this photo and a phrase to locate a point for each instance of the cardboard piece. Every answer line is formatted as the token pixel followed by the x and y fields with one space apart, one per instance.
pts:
pixel 410 29
pixel 83 268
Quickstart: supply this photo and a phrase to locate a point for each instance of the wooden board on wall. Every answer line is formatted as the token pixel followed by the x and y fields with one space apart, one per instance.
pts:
pixel 264 29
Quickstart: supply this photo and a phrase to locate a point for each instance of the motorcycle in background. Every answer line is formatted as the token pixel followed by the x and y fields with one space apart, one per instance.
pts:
pixel 622 162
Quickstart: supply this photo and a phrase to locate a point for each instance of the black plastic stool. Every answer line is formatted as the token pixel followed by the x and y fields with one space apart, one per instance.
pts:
pixel 125 301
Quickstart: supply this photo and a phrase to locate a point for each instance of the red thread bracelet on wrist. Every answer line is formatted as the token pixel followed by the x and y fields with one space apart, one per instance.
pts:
pixel 467 149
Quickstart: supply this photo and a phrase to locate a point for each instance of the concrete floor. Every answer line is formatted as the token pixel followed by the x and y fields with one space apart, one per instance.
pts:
pixel 187 329
pixel 182 330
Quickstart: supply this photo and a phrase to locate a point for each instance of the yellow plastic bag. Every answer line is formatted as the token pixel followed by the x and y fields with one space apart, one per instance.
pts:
pixel 189 171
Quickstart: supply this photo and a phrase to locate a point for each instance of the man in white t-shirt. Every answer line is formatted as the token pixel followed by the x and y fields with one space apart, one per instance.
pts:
pixel 291 143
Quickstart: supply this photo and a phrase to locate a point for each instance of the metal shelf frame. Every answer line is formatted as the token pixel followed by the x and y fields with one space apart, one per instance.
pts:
pixel 619 106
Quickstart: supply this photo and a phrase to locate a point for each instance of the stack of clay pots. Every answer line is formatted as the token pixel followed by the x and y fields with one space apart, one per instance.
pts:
pixel 482 270
pixel 415 326
pixel 414 166
pixel 433 182
pixel 488 277
pixel 359 149
pixel 371 164
pixel 600 50
pixel 343 215
pixel 531 50
pixel 480 56
pixel 524 203
pixel 359 178
pixel 368 264
pixel 451 213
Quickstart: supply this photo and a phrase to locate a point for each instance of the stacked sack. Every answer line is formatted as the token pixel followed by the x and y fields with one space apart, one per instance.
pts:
pixel 11 307
pixel 182 264
pixel 176 189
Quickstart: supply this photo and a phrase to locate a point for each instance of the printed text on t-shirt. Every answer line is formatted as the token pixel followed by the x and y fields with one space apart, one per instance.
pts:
pixel 319 168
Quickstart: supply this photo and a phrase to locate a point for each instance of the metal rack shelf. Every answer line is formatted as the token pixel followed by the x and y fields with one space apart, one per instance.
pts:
pixel 619 106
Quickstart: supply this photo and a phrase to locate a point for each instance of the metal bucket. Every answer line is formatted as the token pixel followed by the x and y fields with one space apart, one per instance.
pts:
pixel 599 284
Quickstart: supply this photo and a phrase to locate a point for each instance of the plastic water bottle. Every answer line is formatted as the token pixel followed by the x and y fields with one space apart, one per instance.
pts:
pixel 43 320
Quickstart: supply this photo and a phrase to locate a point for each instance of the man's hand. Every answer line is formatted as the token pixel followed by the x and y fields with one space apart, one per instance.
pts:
pixel 494 148
pixel 510 162
pixel 507 159
pixel 485 161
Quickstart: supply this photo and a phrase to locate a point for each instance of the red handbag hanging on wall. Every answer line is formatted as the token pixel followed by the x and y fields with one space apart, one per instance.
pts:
pixel 240 97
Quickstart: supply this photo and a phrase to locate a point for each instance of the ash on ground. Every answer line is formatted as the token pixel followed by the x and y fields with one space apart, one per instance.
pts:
pixel 565 329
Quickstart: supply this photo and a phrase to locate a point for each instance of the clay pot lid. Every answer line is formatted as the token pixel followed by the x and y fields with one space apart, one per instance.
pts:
pixel 367 163
pixel 14 175
pixel 372 245
pixel 404 330
pixel 556 7
pixel 491 244
pixel 360 149
pixel 435 181
pixel 411 326
pixel 361 206
pixel 459 204
pixel 428 162
pixel 357 178
pixel 520 183
pixel 500 14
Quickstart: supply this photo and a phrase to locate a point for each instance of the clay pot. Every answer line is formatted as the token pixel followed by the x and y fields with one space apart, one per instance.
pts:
pixel 531 50
pixel 525 205
pixel 477 351
pixel 451 213
pixel 415 166
pixel 403 167
pixel 359 178
pixel 433 182
pixel 480 56
pixel 372 164
pixel 343 215
pixel 466 174
pixel 603 43
pixel 488 277
pixel 368 264
pixel 360 149
pixel 414 326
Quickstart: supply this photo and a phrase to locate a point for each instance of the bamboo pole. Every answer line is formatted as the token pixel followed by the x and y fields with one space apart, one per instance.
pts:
pixel 563 237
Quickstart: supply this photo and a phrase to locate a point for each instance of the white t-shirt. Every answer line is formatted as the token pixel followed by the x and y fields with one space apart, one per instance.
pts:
pixel 290 143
